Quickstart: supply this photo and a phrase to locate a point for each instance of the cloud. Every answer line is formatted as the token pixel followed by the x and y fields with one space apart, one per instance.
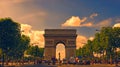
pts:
pixel 104 23
pixel 24 11
pixel 75 21
pixel 93 15
pixel 36 37
pixel 11 2
pixel 117 20
pixel 89 24
pixel 91 38
pixel 26 29
pixel 117 25
pixel 19 1
pixel 32 15
pixel 81 41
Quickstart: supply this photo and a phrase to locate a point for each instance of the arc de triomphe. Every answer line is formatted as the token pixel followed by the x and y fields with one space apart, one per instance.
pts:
pixel 55 36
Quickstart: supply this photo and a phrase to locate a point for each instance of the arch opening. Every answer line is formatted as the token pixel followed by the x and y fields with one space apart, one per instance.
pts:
pixel 60 51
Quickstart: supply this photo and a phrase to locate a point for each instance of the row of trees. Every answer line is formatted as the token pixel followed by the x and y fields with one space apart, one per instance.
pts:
pixel 105 43
pixel 13 44
pixel 35 51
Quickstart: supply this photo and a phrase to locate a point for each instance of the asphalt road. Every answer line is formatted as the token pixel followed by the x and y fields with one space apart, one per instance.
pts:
pixel 39 65
pixel 45 65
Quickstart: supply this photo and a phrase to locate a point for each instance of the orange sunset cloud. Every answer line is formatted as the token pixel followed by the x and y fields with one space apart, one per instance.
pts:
pixel 74 21
pixel 117 25
pixel 81 41
pixel 36 37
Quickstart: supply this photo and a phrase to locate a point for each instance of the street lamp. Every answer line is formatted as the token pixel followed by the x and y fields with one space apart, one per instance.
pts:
pixel 116 57
pixel 2 58
pixel 59 57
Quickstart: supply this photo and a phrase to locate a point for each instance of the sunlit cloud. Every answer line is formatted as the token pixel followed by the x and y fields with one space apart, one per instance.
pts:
pixel 93 15
pixel 91 38
pixel 34 18
pixel 34 15
pixel 26 29
pixel 81 41
pixel 36 37
pixel 19 1
pixel 117 25
pixel 75 21
pixel 13 1
pixel 89 24
pixel 29 13
pixel 104 23
pixel 117 20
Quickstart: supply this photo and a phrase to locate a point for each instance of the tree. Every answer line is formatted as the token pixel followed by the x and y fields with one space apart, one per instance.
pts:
pixel 116 37
pixel 97 43
pixel 24 44
pixel 79 52
pixel 35 51
pixel 20 49
pixel 9 34
pixel 107 40
pixel 12 43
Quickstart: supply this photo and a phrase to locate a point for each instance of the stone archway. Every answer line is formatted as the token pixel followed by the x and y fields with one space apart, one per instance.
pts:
pixel 60 51
pixel 55 36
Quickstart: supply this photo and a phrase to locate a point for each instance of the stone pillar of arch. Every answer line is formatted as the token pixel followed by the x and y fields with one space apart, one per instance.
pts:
pixel 55 36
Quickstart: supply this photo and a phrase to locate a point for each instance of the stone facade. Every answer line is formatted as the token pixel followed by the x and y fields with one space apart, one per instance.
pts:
pixel 55 36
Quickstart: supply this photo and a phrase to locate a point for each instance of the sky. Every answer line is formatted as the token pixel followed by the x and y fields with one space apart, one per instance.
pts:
pixel 83 15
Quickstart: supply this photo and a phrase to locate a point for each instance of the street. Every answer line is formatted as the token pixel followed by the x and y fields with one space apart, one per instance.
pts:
pixel 39 65
pixel 68 65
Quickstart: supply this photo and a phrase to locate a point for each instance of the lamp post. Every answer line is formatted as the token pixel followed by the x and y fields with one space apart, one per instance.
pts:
pixel 59 57
pixel 3 58
pixel 116 62
pixel 116 57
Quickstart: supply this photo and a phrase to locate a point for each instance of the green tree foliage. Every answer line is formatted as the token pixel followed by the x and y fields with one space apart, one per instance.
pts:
pixel 9 34
pixel 105 41
pixel 20 49
pixel 86 51
pixel 25 41
pixel 11 41
pixel 35 51
pixel 116 37
pixel 79 52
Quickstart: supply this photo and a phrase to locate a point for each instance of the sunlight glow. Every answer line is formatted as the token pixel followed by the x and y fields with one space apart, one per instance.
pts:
pixel 60 48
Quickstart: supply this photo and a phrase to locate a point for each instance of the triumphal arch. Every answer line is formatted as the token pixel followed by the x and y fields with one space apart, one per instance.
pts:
pixel 55 36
